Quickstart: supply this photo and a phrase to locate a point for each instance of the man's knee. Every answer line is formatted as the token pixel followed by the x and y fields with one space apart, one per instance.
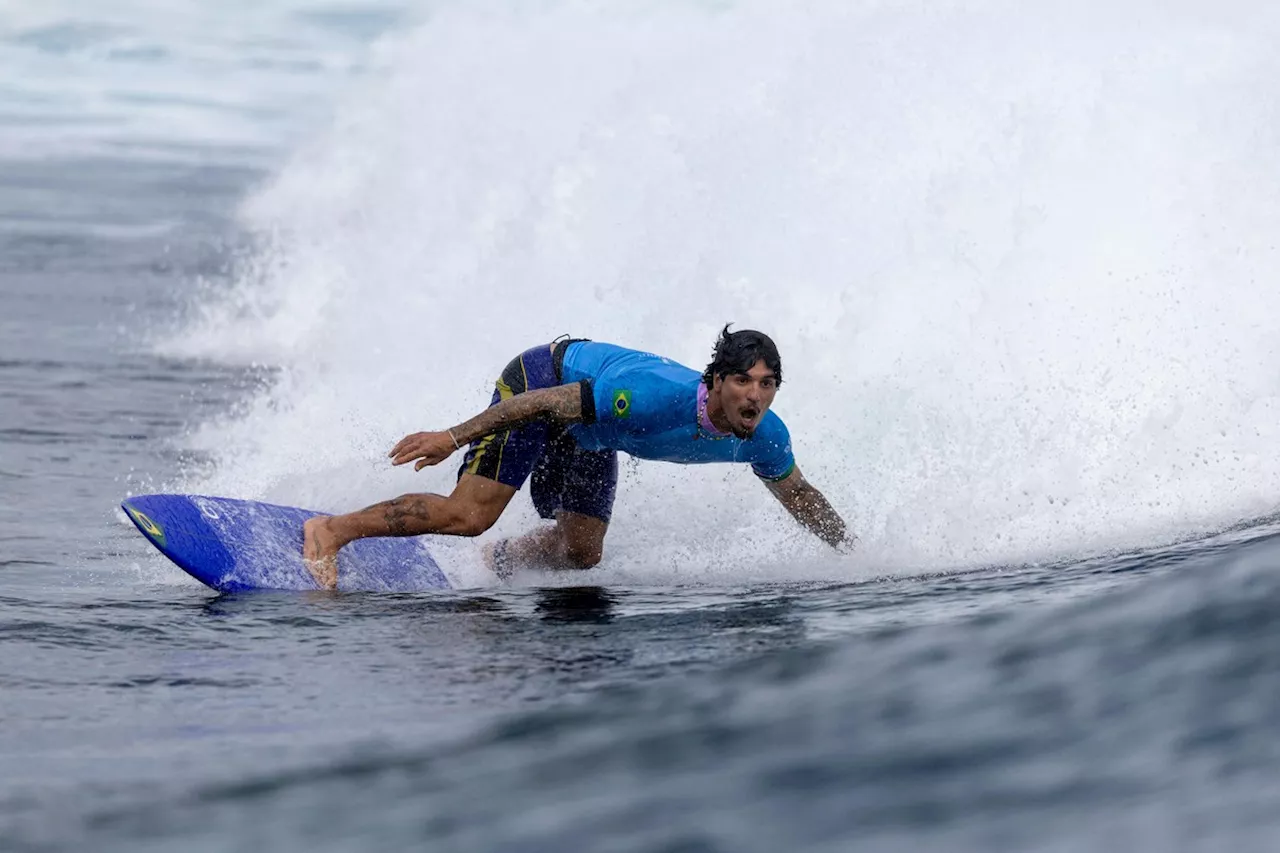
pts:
pixel 464 517
pixel 476 503
pixel 583 555
pixel 581 539
pixel 472 525
pixel 471 518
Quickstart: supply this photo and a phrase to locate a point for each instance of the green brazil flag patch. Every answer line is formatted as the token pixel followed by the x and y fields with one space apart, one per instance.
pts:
pixel 622 404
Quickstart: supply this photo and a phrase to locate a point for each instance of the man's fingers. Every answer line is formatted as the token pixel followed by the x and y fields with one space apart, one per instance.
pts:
pixel 429 459
pixel 406 454
pixel 403 444
pixel 411 454
pixel 427 447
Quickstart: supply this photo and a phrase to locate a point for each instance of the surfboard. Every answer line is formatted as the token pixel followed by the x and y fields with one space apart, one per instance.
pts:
pixel 236 545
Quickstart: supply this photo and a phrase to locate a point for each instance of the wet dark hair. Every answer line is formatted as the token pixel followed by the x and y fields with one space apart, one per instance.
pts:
pixel 738 352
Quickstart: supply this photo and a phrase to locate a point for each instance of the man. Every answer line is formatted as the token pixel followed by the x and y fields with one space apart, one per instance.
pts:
pixel 560 414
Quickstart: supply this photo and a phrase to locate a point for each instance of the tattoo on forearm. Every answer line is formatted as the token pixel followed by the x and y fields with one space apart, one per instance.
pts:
pixel 565 402
pixel 560 403
pixel 813 510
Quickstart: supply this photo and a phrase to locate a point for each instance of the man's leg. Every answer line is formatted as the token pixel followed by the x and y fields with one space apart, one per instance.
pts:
pixel 472 508
pixel 576 487
pixel 493 470
pixel 576 541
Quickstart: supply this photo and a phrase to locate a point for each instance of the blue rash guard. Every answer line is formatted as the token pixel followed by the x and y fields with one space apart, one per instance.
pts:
pixel 647 405
pixel 632 401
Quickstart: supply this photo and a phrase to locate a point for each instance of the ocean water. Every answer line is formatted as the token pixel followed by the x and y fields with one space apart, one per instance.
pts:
pixel 1019 259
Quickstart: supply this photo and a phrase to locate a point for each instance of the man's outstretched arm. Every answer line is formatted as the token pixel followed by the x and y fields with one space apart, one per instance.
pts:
pixel 809 507
pixel 562 404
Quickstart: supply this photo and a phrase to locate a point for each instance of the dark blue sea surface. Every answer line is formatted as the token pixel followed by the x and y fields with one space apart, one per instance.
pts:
pixel 1120 703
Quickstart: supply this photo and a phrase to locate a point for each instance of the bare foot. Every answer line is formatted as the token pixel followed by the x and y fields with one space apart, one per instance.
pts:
pixel 320 551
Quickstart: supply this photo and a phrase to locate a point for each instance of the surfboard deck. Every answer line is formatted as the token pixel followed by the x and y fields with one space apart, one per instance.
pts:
pixel 237 545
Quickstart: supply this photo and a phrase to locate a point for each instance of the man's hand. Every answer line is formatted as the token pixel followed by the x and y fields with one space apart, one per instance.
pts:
pixel 429 448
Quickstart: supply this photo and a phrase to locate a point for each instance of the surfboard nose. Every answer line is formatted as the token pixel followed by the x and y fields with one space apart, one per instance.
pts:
pixel 145 523
pixel 182 533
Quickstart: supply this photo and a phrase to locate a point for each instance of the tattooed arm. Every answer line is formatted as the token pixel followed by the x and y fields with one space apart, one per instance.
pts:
pixel 811 508
pixel 562 404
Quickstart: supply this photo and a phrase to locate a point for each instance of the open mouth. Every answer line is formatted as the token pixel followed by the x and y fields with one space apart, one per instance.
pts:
pixel 749 416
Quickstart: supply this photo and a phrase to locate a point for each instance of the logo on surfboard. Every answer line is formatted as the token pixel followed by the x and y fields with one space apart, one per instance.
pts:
pixel 145 524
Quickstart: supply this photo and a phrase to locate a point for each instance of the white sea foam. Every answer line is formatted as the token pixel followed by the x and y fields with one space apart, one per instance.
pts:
pixel 178 79
pixel 1019 258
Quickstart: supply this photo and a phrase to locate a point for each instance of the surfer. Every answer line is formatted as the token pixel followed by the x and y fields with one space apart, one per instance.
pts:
pixel 559 415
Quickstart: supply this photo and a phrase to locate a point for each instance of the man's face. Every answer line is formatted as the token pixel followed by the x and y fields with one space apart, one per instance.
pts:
pixel 745 397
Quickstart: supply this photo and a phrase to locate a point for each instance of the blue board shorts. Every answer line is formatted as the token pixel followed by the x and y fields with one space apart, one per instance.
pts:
pixel 564 475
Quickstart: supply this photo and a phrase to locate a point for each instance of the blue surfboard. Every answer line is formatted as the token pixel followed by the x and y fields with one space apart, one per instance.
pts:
pixel 234 546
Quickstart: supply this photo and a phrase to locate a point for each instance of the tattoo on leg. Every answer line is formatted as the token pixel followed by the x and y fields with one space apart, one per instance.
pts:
pixel 398 513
